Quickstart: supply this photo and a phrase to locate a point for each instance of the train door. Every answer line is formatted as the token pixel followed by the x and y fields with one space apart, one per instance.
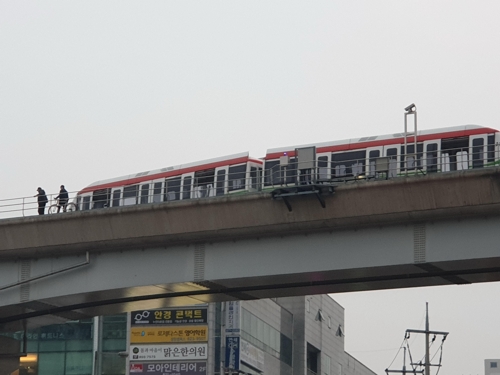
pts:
pixel 156 191
pixel 393 153
pixel 478 148
pixel 221 181
pixel 493 149
pixel 84 201
pixel 372 153
pixel 144 193
pixel 454 154
pixel 116 197
pixel 324 170
pixel 431 155
pixel 187 185
pixel 253 180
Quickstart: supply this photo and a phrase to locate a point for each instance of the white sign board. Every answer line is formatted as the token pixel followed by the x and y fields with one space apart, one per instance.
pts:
pixel 168 352
pixel 233 318
pixel 251 355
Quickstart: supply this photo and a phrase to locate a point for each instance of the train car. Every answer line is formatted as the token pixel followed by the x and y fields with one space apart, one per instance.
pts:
pixel 215 177
pixel 427 151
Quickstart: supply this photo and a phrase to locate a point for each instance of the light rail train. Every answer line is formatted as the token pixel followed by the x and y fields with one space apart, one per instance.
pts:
pixel 427 151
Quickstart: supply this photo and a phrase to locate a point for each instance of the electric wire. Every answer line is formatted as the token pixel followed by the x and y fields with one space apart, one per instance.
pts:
pixel 400 347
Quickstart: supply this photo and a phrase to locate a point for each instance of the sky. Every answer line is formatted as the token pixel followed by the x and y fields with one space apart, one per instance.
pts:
pixel 92 90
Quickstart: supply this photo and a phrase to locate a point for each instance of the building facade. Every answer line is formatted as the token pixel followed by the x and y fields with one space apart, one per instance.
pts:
pixel 285 336
pixel 492 367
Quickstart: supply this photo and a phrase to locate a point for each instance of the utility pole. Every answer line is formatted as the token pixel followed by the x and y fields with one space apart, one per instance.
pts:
pixel 427 356
pixel 427 365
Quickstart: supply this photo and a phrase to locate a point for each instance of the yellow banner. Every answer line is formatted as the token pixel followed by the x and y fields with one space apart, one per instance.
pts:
pixel 168 334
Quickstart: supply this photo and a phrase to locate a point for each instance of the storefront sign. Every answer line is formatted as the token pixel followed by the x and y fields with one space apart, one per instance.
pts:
pixel 168 352
pixel 170 316
pixel 171 368
pixel 168 334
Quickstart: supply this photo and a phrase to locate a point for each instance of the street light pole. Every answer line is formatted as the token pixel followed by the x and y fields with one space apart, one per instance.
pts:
pixel 410 110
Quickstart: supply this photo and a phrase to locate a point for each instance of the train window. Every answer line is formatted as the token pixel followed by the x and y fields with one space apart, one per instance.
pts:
pixel 221 180
pixel 477 153
pixel 272 173
pixel 432 157
pixel 186 187
pixel 236 177
pixel 392 153
pixel 173 189
pixel 372 156
pixel 100 198
pixel 491 148
pixel 157 192
pixel 144 193
pixel 130 195
pixel 116 198
pixel 86 203
pixel 348 163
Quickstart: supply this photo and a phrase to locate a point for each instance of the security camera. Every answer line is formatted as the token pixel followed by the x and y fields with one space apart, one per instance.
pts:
pixel 410 108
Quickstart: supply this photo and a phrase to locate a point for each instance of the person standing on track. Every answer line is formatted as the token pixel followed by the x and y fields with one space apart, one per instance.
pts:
pixel 63 199
pixel 42 200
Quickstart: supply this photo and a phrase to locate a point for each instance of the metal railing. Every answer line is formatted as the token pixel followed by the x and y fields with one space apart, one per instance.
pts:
pixel 211 185
pixel 379 167
pixel 27 206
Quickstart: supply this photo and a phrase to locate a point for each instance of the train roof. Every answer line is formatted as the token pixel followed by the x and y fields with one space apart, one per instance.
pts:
pixel 173 170
pixel 378 139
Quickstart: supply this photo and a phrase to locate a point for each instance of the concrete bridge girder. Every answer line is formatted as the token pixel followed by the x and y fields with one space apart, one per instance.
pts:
pixel 428 230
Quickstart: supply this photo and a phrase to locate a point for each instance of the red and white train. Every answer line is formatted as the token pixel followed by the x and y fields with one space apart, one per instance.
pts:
pixel 437 150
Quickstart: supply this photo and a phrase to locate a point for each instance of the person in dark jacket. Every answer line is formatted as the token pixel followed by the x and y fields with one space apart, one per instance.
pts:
pixel 42 200
pixel 63 199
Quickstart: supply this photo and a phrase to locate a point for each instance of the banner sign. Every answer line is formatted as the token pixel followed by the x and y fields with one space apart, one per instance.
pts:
pixel 168 334
pixel 233 353
pixel 233 318
pixel 170 316
pixel 252 355
pixel 167 352
pixel 172 368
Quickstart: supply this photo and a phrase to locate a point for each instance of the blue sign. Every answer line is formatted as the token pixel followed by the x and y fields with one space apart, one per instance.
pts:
pixel 233 353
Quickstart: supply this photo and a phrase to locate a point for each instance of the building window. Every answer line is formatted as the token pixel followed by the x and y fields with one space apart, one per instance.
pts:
pixel 312 358
pixel 493 364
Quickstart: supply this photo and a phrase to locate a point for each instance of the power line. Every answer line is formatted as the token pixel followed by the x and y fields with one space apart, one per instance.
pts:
pixel 427 364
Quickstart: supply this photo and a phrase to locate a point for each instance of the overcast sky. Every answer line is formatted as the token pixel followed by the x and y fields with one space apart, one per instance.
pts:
pixel 91 90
